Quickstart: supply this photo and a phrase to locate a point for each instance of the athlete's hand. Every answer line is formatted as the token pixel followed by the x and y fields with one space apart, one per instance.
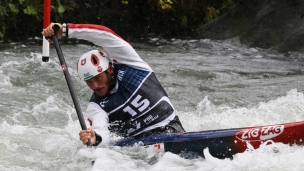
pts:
pixel 48 32
pixel 85 135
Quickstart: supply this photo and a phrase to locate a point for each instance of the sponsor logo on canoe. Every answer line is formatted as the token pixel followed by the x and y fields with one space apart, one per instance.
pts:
pixel 260 133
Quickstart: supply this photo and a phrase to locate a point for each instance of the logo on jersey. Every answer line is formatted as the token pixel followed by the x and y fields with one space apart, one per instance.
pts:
pixel 120 74
pixel 150 119
pixel 90 121
pixel 105 100
pixel 260 134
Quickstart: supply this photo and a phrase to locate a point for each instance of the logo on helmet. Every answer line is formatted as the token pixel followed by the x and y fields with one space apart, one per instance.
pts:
pixel 87 76
pixel 102 53
pixel 83 62
pixel 95 60
pixel 99 69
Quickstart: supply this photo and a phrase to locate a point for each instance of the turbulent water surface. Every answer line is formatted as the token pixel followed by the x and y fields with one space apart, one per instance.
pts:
pixel 212 84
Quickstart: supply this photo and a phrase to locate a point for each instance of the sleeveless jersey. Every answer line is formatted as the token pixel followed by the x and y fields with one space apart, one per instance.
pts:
pixel 138 103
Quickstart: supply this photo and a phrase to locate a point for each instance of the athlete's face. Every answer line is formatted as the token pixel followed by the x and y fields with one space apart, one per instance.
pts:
pixel 100 84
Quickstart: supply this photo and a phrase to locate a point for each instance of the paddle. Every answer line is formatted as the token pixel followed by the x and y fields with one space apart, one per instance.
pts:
pixel 69 81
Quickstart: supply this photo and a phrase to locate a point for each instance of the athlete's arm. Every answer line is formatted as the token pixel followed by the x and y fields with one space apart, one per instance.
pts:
pixel 99 122
pixel 115 47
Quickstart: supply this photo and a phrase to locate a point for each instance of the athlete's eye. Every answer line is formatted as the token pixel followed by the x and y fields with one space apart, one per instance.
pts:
pixel 98 78
pixel 89 82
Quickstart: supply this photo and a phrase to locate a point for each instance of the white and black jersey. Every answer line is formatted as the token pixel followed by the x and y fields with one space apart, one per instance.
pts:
pixel 138 102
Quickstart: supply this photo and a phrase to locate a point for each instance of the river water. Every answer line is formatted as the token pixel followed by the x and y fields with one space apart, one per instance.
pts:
pixel 212 84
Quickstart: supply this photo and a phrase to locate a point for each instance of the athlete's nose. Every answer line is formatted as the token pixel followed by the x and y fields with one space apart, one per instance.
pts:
pixel 95 84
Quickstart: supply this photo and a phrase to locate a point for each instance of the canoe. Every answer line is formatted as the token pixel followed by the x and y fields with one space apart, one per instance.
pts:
pixel 223 143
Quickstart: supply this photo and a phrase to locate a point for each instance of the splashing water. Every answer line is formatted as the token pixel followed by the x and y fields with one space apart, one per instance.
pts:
pixel 213 85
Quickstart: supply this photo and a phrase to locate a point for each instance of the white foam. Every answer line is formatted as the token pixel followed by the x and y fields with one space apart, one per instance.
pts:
pixel 5 80
pixel 108 159
pixel 289 108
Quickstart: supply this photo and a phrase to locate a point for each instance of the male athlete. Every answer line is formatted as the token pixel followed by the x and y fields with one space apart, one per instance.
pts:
pixel 128 99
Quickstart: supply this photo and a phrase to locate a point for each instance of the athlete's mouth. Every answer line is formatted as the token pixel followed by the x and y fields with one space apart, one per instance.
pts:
pixel 99 90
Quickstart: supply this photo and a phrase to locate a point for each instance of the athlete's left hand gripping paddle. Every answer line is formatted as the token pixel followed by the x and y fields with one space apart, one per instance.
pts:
pixel 64 67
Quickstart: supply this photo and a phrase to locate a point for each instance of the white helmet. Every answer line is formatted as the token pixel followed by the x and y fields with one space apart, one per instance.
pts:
pixel 91 64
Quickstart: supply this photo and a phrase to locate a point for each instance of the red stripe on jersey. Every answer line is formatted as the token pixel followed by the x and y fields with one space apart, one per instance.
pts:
pixel 93 26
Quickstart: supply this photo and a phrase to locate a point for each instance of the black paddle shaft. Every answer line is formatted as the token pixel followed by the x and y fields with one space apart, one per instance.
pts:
pixel 69 81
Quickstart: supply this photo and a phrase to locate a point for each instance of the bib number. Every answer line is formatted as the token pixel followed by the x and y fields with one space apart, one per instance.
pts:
pixel 138 104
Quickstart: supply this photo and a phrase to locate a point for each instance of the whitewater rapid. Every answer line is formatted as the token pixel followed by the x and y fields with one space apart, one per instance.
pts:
pixel 212 84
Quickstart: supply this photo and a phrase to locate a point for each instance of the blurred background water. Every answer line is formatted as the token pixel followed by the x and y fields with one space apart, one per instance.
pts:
pixel 212 84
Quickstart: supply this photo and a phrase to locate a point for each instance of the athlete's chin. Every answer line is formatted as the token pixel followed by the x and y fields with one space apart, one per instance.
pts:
pixel 101 93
